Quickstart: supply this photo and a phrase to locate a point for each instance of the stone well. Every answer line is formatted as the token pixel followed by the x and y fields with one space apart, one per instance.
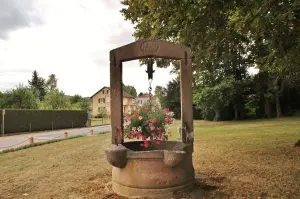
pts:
pixel 166 168
pixel 161 171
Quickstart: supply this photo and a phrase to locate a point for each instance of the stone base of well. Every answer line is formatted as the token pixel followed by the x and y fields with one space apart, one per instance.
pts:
pixel 163 193
pixel 142 173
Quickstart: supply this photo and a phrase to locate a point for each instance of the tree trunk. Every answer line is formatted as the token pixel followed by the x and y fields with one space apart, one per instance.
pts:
pixel 278 108
pixel 217 115
pixel 267 108
pixel 236 112
pixel 242 112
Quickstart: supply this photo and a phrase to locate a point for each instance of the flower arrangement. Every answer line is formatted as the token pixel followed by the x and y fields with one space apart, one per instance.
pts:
pixel 148 123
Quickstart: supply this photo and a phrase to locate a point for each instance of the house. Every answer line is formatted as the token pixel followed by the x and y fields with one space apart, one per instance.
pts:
pixel 101 102
pixel 141 100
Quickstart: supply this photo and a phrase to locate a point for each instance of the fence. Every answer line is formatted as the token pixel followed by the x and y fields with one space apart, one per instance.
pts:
pixel 15 121
pixel 99 121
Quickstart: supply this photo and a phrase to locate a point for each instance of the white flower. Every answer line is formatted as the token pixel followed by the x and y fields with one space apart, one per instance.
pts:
pixel 139 129
pixel 152 128
pixel 140 118
pixel 133 128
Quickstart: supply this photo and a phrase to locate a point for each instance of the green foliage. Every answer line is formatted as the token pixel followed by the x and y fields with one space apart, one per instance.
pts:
pixel 38 85
pixel 51 83
pixel 215 98
pixel 130 90
pixel 75 99
pixel 19 98
pixel 85 104
pixel 40 120
pixel 227 38
pixel 56 100
pixel 172 99
pixel 161 94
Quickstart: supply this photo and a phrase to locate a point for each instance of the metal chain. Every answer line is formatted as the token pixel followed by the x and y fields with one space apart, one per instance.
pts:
pixel 150 89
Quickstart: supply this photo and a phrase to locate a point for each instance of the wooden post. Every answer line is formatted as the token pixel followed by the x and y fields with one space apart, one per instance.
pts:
pixel 31 141
pixel 116 99
pixel 186 100
pixel 66 134
pixel 3 115
pixel 91 132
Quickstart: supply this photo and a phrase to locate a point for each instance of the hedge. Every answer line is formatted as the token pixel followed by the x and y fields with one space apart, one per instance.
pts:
pixel 40 120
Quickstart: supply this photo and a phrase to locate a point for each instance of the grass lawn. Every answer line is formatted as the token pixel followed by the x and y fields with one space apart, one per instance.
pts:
pixel 248 159
pixel 97 122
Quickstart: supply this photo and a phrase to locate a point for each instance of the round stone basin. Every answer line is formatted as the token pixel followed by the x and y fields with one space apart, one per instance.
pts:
pixel 152 173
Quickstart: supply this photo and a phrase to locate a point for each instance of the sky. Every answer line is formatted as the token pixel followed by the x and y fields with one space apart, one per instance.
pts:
pixel 68 38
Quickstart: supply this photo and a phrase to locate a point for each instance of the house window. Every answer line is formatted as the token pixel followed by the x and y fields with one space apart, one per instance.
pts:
pixel 107 91
pixel 99 100
pixel 103 91
pixel 102 100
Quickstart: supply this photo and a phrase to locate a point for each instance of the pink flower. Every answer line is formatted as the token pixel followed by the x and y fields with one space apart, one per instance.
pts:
pixel 146 144
pixel 166 119
pixel 121 135
pixel 154 120
pixel 157 142
pixel 166 110
pixel 152 134
pixel 146 109
pixel 136 114
pixel 150 124
pixel 159 128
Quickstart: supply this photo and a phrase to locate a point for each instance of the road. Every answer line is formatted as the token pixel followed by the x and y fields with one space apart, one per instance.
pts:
pixel 23 139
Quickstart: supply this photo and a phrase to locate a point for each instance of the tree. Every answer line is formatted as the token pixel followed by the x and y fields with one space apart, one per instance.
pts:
pixel 172 98
pixel 161 94
pixel 56 100
pixel 215 98
pixel 85 104
pixel 75 99
pixel 20 97
pixel 141 94
pixel 130 90
pixel 38 84
pixel 51 83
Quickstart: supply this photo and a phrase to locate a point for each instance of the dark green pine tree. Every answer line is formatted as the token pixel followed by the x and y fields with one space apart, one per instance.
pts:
pixel 38 85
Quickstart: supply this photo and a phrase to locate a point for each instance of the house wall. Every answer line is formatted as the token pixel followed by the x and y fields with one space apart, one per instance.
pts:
pixel 98 106
pixel 128 104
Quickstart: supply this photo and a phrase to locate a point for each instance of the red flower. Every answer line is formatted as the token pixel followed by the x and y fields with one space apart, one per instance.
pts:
pixel 146 109
pixel 152 134
pixel 166 119
pixel 143 137
pixel 159 128
pixel 154 120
